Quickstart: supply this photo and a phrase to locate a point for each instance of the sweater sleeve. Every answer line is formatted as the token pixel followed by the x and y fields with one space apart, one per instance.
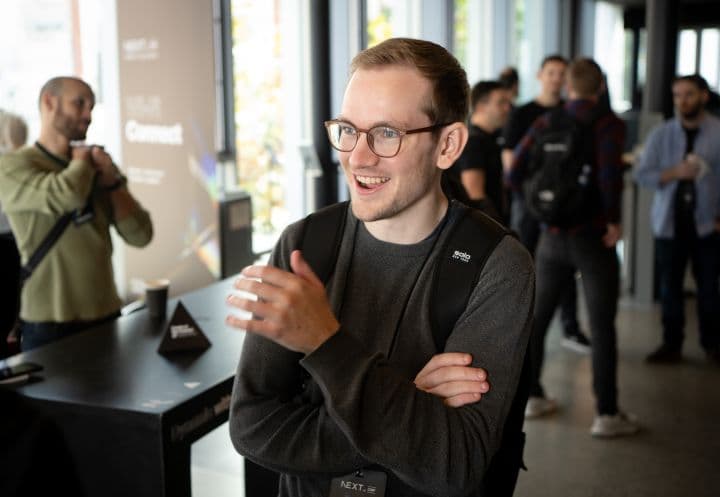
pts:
pixel 25 187
pixel 136 229
pixel 438 450
pixel 277 419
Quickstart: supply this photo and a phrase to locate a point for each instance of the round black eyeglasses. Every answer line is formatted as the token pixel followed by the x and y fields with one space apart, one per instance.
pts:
pixel 384 141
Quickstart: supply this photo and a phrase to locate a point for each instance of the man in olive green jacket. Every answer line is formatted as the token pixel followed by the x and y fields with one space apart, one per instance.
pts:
pixel 73 286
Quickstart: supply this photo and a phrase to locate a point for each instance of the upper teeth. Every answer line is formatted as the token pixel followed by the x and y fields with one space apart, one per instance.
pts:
pixel 371 180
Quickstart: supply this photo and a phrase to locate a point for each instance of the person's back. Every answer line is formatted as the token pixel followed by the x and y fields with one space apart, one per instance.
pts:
pixel 551 76
pixel 349 388
pixel 588 246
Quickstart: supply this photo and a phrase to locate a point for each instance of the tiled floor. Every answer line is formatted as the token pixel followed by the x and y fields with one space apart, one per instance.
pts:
pixel 676 455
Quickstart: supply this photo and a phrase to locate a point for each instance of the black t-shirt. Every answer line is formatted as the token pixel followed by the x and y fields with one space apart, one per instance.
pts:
pixel 482 152
pixel 685 194
pixel 520 121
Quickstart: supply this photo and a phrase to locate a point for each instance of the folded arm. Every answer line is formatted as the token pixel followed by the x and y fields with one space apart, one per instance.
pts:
pixel 363 401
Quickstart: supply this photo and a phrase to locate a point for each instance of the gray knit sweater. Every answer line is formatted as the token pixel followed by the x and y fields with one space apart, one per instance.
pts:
pixel 348 405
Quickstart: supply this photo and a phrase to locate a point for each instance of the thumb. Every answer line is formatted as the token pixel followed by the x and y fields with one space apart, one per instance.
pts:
pixel 301 268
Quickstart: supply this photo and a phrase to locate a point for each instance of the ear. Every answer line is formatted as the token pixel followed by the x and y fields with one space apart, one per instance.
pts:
pixel 451 144
pixel 48 102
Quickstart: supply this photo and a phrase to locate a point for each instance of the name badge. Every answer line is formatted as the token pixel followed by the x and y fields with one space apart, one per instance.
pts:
pixel 362 483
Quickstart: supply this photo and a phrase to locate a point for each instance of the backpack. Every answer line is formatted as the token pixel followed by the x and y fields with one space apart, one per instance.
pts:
pixel 477 236
pixel 560 189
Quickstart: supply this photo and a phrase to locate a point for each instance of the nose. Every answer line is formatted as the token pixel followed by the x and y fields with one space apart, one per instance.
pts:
pixel 361 155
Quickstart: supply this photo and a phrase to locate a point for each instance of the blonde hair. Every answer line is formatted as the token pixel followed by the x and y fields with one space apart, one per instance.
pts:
pixel 450 99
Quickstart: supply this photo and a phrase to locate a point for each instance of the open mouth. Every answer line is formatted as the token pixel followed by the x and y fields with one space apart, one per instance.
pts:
pixel 371 183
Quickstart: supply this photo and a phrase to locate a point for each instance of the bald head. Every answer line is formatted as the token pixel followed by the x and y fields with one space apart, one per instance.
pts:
pixel 55 87
pixel 66 105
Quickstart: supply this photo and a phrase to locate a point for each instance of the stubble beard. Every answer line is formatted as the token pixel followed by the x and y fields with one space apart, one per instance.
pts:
pixel 67 128
pixel 423 180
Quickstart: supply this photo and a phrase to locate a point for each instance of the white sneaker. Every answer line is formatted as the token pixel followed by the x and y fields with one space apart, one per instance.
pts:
pixel 618 425
pixel 539 406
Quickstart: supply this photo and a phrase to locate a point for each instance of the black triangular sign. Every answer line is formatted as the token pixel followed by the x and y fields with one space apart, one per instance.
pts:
pixel 182 334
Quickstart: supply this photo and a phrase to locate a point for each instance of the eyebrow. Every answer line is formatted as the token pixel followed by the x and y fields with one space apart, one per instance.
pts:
pixel 396 125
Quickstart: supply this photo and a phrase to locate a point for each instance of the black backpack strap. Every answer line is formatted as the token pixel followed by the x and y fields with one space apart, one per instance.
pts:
pixel 462 258
pixel 323 226
pixel 53 235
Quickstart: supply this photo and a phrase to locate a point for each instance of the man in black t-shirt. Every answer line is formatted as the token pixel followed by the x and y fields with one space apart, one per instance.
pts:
pixel 479 168
pixel 552 79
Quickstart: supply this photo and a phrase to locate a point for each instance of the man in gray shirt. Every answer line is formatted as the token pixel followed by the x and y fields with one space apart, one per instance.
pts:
pixel 346 381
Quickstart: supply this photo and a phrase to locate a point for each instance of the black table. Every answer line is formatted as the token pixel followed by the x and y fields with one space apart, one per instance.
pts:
pixel 130 414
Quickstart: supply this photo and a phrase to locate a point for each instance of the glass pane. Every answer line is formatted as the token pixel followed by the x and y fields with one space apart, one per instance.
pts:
pixel 266 79
pixel 388 19
pixel 44 30
pixel 687 52
pixel 642 58
pixel 628 66
pixel 609 42
pixel 709 55
pixel 460 31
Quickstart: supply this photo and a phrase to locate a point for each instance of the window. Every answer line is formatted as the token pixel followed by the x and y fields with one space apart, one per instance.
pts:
pixel 610 40
pixel 391 18
pixel 709 56
pixel 58 37
pixel 268 59
pixel 687 52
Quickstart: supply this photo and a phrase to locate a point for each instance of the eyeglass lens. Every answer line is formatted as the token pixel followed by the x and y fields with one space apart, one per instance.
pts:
pixel 383 140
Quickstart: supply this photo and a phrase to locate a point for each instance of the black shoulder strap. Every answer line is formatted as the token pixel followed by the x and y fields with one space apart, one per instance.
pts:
pixel 472 239
pixel 321 238
pixel 462 258
pixel 53 235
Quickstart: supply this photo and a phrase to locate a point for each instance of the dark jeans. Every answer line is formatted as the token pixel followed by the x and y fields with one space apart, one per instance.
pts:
pixel 9 288
pixel 528 230
pixel 672 256
pixel 35 334
pixel 558 256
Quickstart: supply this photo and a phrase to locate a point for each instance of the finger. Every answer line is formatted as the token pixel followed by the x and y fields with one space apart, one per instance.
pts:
pixel 301 268
pixel 270 275
pixel 462 399
pixel 452 388
pixel 262 289
pixel 256 308
pixel 450 373
pixel 256 326
pixel 445 359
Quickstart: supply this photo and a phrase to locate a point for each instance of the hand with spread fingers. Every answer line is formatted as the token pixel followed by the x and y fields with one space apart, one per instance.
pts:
pixel 450 376
pixel 292 309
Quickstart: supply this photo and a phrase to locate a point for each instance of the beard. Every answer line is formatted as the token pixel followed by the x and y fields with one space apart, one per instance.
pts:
pixel 415 187
pixel 72 129
pixel 693 112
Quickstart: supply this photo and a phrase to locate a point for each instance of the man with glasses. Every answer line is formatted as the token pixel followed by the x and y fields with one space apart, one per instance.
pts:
pixel 345 388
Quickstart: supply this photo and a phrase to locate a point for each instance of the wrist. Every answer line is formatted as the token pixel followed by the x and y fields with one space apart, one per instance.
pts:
pixel 117 182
